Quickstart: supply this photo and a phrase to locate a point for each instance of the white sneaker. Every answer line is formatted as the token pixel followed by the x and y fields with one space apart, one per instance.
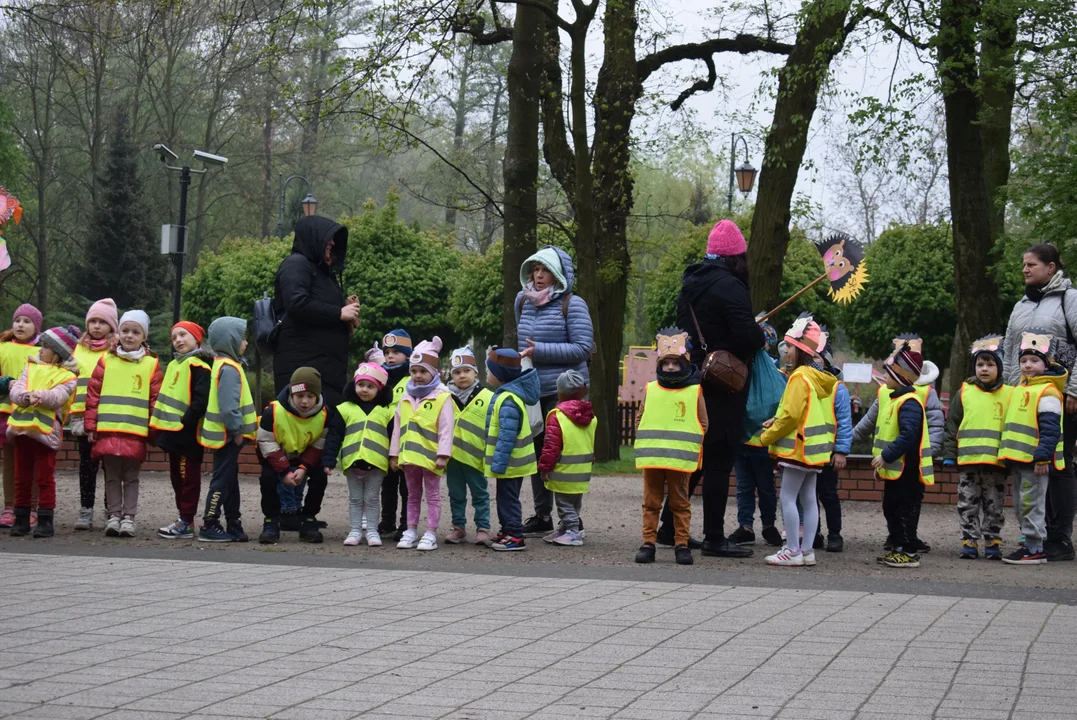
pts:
pixel 786 558
pixel 809 557
pixel 409 540
pixel 429 542
pixel 112 527
pixel 85 521
pixel 373 539
pixel 354 538
pixel 127 526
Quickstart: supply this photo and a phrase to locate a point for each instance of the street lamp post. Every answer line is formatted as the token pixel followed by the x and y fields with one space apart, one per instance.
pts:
pixel 745 174
pixel 310 205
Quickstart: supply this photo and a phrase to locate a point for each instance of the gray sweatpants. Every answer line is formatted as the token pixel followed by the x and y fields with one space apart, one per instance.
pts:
pixel 1030 504
pixel 364 497
pixel 121 485
pixel 568 510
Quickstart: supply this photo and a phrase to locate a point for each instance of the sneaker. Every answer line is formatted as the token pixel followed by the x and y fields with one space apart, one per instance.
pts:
pixel 683 555
pixel 901 559
pixel 112 527
pixel 127 526
pixel 570 538
pixel 917 547
pixel 809 557
pixel 457 536
pixel 235 529
pixel 969 550
pixel 537 527
pixel 85 521
pixel 7 517
pixel 399 533
pixel 386 528
pixel 508 543
pixel 354 538
pixel 743 536
pixel 772 537
pixel 45 528
pixel 482 537
pixel 645 554
pixel 835 543
pixel 270 532
pixel 373 538
pixel 1024 556
pixel 665 535
pixel 214 533
pixel 1059 552
pixel 429 541
pixel 888 546
pixel 33 518
pixel 289 522
pixel 408 541
pixel 309 532
pixel 993 550
pixel 786 558
pixel 724 548
pixel 552 537
pixel 178 530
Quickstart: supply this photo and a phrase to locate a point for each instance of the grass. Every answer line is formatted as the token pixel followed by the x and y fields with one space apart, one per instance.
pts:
pixel 625 466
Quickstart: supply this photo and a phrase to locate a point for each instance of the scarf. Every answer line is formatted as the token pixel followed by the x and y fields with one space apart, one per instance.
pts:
pixel 463 395
pixel 681 379
pixel 97 345
pixel 1034 292
pixel 134 355
pixel 538 298
pixel 420 391
pixel 184 356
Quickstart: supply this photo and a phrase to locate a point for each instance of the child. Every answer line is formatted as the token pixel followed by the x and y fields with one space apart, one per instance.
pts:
pixel 230 420
pixel 17 345
pixel 902 450
pixel 102 323
pixel 1032 441
pixel 973 432
pixel 291 442
pixel 801 437
pixel 176 415
pixel 359 433
pixel 397 348
pixel 826 484
pixel 466 466
pixel 669 442
pixel 568 452
pixel 510 449
pixel 422 441
pixel 36 426
pixel 119 400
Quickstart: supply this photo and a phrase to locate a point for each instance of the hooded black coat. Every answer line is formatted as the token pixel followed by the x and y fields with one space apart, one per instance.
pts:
pixel 310 295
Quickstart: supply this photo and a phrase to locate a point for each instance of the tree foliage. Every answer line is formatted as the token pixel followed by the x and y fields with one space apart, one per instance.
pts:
pixel 477 294
pixel 12 161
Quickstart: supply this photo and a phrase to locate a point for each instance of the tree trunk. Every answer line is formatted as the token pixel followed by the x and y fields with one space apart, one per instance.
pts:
pixel 459 126
pixel 998 80
pixel 267 158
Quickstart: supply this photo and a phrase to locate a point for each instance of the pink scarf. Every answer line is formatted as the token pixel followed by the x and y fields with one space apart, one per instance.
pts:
pixel 97 345
pixel 538 298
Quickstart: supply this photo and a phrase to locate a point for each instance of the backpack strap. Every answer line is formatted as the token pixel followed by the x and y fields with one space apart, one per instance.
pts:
pixel 565 298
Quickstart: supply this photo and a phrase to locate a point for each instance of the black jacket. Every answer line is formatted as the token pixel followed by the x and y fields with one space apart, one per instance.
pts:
pixel 185 440
pixel 310 295
pixel 335 426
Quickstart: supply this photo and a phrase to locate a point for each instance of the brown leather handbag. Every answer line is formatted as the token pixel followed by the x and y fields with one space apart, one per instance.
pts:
pixel 722 370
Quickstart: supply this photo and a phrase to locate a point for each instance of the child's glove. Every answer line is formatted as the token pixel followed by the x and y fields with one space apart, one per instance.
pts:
pixel 949 463
pixel 5 384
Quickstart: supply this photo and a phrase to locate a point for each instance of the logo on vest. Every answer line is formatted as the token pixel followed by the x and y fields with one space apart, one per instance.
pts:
pixel 428 405
pixel 136 384
pixel 682 410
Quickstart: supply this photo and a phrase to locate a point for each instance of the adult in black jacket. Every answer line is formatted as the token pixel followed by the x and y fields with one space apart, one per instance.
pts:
pixel 717 289
pixel 318 319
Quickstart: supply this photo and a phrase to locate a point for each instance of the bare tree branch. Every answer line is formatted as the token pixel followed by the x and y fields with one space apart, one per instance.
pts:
pixel 743 44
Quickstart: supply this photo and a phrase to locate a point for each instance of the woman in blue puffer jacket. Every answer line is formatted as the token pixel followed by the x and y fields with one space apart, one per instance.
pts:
pixel 553 329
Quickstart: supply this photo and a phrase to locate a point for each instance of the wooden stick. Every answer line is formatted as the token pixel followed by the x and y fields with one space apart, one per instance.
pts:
pixel 800 292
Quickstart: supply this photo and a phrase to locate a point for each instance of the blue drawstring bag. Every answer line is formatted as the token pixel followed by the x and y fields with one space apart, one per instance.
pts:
pixel 764 393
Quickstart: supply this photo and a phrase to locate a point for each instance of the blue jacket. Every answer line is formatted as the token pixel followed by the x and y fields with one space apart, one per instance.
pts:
pixel 910 429
pixel 843 412
pixel 561 343
pixel 525 387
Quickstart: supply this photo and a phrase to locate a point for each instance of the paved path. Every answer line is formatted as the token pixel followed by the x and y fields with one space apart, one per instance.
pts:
pixel 126 638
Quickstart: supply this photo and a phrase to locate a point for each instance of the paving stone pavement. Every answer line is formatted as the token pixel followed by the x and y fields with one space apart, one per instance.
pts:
pixel 129 638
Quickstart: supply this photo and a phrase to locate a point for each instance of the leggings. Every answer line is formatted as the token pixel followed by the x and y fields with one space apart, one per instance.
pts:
pixel 799 482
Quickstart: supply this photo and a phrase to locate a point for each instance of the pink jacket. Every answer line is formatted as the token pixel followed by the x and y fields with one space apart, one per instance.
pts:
pixel 53 399
pixel 446 422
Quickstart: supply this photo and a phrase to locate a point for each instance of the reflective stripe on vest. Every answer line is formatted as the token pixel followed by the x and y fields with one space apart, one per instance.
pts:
pixel 13 358
pixel 175 396
pixel 469 434
pixel 87 360
pixel 366 437
pixel 213 434
pixel 670 436
pixel 572 472
pixel 419 432
pixel 811 442
pixel 124 405
pixel 522 461
pixel 1021 431
pixel 887 430
pixel 38 417
pixel 293 433
pixel 980 434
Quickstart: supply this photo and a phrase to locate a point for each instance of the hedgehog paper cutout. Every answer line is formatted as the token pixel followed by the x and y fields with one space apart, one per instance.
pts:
pixel 846 268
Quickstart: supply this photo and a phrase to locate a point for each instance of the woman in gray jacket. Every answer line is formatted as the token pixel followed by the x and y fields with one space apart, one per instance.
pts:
pixel 1050 303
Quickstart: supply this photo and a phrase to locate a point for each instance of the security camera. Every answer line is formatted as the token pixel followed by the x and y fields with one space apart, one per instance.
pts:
pixel 164 153
pixel 210 159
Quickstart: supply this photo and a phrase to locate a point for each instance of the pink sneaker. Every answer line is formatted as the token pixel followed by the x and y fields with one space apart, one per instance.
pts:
pixel 457 536
pixel 33 518
pixel 7 518
pixel 482 537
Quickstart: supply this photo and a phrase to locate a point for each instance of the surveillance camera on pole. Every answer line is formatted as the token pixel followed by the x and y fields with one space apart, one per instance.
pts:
pixel 210 158
pixel 164 154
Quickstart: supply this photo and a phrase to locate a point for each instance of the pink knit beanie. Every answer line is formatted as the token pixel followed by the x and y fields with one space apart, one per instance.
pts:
pixel 372 372
pixel 726 240
pixel 29 311
pixel 105 311
pixel 426 355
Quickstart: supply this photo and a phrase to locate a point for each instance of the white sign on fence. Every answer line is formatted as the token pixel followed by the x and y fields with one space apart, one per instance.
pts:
pixel 856 373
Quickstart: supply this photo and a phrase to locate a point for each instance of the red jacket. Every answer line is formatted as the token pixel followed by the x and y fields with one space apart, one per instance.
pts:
pixel 130 447
pixel 580 413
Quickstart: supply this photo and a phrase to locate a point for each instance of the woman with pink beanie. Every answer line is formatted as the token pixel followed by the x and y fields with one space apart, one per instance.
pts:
pixel 17 346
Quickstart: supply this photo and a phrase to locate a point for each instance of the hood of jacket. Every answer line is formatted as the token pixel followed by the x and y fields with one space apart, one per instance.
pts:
pixel 821 381
pixel 526 387
pixel 313 233
pixel 226 335
pixel 284 397
pixel 1055 375
pixel 1057 285
pixel 559 263
pixel 580 412
pixel 929 373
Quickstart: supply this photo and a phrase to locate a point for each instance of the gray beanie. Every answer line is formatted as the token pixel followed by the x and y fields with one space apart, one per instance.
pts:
pixel 571 383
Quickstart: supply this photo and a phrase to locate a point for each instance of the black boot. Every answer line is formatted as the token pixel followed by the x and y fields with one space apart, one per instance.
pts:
pixel 723 548
pixel 309 532
pixel 645 554
pixel 270 532
pixel 683 555
pixel 44 527
pixel 835 543
pixel 289 522
pixel 21 528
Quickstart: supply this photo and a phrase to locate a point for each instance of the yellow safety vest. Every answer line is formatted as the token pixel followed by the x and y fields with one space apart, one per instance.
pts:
pixel 522 461
pixel 213 434
pixel 124 405
pixel 13 357
pixel 980 434
pixel 572 473
pixel 811 442
pixel 87 360
pixel 39 417
pixel 419 432
pixel 469 434
pixel 830 409
pixel 293 433
pixel 1021 432
pixel 887 430
pixel 366 437
pixel 398 391
pixel 670 436
pixel 175 396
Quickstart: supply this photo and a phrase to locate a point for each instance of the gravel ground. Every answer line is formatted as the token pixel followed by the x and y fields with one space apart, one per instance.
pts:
pixel 611 513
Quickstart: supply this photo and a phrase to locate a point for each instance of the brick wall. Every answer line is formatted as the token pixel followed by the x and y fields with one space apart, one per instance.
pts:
pixel 157 460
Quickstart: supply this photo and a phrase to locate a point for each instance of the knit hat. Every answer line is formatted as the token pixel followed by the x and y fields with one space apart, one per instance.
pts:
pixel 1037 342
pixel 503 364
pixel 463 358
pixel 905 364
pixel 196 330
pixel 992 346
pixel 374 355
pixel 372 372
pixel 397 340
pixel 671 342
pixel 105 311
pixel 137 316
pixel 62 340
pixel 571 385
pixel 426 355
pixel 305 379
pixel 725 240
pixel 807 335
pixel 29 311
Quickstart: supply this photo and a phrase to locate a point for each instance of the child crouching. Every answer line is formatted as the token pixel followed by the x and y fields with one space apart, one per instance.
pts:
pixel 568 452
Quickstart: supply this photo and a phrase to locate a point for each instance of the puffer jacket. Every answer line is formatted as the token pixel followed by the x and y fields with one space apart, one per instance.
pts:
pixel 525 387
pixel 117 444
pixel 561 343
pixel 1053 313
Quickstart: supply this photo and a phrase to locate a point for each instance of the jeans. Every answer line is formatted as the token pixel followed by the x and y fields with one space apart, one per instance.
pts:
pixel 88 468
pixel 312 505
pixel 543 497
pixel 364 493
pixel 223 495
pixel 460 478
pixel 1060 489
pixel 799 484
pixel 755 474
pixel 291 498
pixel 826 488
pixel 509 510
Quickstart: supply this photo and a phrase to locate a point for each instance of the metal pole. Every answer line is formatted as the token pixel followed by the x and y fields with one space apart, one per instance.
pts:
pixel 732 164
pixel 177 258
pixel 280 197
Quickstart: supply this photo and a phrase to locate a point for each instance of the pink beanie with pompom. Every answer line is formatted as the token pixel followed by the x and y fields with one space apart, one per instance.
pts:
pixel 726 240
